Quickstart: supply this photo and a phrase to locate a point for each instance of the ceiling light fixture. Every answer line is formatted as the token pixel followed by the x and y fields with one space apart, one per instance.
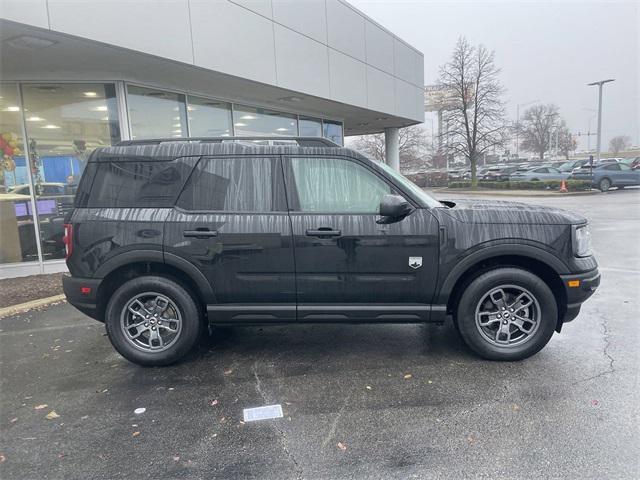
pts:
pixel 12 109
pixel 90 94
pixel 51 126
pixel 100 108
pixel 247 117
pixel 35 119
pixel 291 98
pixel 239 124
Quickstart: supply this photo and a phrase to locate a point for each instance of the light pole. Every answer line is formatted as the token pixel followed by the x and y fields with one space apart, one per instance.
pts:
pixel 518 124
pixel 600 84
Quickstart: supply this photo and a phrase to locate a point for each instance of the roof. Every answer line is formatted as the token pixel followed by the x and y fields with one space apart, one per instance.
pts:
pixel 164 149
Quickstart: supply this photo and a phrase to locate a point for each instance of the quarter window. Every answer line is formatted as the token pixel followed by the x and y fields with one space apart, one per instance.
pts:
pixel 243 184
pixel 336 185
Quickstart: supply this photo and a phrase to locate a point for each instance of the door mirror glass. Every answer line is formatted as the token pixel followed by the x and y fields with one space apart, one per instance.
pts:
pixel 394 207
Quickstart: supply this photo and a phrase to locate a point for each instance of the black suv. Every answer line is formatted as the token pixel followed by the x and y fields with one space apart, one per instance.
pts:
pixel 169 236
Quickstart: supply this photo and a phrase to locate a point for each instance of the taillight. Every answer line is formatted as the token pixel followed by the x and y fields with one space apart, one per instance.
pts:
pixel 68 239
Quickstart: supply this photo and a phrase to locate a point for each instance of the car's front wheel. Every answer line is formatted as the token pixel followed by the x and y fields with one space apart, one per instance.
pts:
pixel 506 314
pixel 153 321
pixel 604 185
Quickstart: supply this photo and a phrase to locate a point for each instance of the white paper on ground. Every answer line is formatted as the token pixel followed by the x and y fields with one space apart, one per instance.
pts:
pixel 262 413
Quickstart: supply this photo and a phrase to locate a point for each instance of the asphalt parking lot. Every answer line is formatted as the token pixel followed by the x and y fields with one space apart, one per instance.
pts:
pixel 359 401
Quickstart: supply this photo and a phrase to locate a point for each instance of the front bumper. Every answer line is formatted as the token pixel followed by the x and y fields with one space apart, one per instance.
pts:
pixel 578 288
pixel 82 293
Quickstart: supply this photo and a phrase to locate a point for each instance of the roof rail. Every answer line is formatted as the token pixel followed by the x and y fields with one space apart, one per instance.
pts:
pixel 301 141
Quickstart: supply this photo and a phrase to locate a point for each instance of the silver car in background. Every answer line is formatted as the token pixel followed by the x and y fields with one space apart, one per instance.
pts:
pixel 538 174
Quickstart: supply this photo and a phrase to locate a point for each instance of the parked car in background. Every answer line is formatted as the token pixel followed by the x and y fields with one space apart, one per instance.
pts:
pixel 537 174
pixel 633 162
pixel 571 164
pixel 501 174
pixel 607 175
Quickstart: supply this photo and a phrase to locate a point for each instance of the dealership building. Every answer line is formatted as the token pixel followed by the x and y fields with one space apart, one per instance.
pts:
pixel 76 75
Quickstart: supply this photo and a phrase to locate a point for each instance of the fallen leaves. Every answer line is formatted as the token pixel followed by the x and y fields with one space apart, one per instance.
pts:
pixel 228 372
pixel 52 415
pixel 342 446
pixel 139 411
pixel 40 407
pixel 2 458
pixel 368 387
pixel 135 434
pixel 214 402
pixel 515 407
pixel 407 376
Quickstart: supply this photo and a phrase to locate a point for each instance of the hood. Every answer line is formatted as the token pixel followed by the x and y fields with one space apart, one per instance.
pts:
pixel 498 211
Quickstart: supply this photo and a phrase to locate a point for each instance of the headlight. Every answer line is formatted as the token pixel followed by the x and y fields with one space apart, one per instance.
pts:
pixel 581 241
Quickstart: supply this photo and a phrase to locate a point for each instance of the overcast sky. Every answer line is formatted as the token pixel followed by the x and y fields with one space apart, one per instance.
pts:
pixel 547 51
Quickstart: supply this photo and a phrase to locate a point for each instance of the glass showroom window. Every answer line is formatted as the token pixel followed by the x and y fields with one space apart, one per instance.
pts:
pixel 65 122
pixel 208 118
pixel 250 121
pixel 155 113
pixel 333 131
pixel 17 231
pixel 310 127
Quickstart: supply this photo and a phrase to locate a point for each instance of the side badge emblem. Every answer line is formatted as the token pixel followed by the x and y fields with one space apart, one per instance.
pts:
pixel 415 262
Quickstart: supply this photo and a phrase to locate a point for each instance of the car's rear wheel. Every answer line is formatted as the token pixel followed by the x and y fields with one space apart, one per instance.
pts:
pixel 153 321
pixel 506 314
pixel 604 185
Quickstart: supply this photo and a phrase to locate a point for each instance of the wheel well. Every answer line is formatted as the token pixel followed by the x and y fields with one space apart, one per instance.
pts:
pixel 538 268
pixel 120 275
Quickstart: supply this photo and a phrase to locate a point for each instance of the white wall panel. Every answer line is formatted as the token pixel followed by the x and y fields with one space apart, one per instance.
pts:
pixel 233 40
pixel 348 79
pixel 308 17
pixel 31 12
pixel 409 103
pixel 379 47
pixel 261 7
pixel 380 91
pixel 128 24
pixel 301 63
pixel 419 70
pixel 405 62
pixel 345 29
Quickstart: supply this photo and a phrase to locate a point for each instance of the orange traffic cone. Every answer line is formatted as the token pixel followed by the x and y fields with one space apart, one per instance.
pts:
pixel 563 187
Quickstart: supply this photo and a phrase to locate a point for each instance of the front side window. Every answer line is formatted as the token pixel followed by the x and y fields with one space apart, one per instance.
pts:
pixel 235 185
pixel 624 167
pixel 336 185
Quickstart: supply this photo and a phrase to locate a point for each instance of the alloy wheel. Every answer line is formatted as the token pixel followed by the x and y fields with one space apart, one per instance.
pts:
pixel 507 316
pixel 151 322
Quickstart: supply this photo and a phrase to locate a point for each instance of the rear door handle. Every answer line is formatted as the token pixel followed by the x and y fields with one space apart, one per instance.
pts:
pixel 200 233
pixel 323 232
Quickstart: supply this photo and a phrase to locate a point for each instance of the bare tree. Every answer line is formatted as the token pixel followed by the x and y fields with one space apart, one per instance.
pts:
pixel 476 120
pixel 536 128
pixel 619 143
pixel 566 140
pixel 413 143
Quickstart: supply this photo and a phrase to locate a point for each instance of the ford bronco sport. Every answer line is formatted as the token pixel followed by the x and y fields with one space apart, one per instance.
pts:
pixel 169 236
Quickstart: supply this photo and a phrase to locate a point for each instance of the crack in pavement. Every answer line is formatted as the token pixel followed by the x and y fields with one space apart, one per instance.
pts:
pixel 283 436
pixel 334 424
pixel 605 352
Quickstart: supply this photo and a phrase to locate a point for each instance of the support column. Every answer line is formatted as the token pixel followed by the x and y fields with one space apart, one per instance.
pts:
pixel 392 147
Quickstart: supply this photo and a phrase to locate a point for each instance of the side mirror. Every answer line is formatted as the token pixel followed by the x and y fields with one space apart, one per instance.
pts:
pixel 394 207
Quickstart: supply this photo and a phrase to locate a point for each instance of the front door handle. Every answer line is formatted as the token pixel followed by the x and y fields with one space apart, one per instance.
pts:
pixel 200 233
pixel 323 232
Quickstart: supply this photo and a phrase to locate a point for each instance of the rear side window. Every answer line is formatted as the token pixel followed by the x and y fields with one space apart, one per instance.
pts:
pixel 235 184
pixel 613 166
pixel 129 184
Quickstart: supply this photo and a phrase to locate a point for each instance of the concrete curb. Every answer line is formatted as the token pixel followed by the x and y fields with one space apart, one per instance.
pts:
pixel 513 193
pixel 24 307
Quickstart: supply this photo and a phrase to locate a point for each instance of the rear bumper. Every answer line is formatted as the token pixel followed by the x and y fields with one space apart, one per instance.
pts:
pixel 578 288
pixel 82 293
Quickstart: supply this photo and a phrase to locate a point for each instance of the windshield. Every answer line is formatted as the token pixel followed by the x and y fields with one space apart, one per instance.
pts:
pixel 424 197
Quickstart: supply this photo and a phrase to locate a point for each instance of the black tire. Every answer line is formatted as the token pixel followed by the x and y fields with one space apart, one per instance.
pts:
pixel 471 332
pixel 604 185
pixel 191 320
